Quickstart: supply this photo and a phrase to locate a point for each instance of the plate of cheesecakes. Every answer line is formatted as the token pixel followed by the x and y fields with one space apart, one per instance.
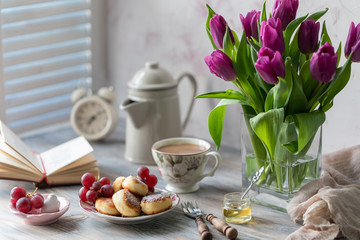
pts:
pixel 132 204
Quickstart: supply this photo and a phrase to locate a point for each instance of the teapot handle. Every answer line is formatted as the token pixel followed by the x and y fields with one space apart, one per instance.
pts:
pixel 194 87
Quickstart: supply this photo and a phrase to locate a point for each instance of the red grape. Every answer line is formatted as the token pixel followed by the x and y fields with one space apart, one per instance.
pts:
pixel 91 196
pixel 96 186
pixel 38 194
pixel 104 181
pixel 143 172
pixel 151 189
pixel 87 180
pixel 13 201
pixel 17 193
pixel 23 205
pixel 151 180
pixel 82 193
pixel 107 191
pixel 37 201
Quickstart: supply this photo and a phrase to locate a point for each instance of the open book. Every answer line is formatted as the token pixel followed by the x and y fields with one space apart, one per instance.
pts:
pixel 64 164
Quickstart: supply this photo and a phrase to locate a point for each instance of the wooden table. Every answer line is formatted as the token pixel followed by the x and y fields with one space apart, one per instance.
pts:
pixel 77 224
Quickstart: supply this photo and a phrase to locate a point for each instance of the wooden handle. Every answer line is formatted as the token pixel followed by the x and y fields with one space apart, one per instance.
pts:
pixel 203 230
pixel 222 226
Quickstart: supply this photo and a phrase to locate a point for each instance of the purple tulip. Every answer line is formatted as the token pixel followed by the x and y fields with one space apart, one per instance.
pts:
pixel 270 65
pixel 221 65
pixel 271 35
pixel 218 29
pixel 285 10
pixel 323 63
pixel 353 43
pixel 249 23
pixel 308 36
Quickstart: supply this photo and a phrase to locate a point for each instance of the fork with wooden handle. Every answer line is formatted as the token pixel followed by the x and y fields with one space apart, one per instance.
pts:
pixel 192 212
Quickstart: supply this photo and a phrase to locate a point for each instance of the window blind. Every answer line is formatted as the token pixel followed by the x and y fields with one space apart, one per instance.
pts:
pixel 45 54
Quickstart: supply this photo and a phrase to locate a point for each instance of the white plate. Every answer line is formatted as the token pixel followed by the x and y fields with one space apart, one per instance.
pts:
pixel 42 218
pixel 130 220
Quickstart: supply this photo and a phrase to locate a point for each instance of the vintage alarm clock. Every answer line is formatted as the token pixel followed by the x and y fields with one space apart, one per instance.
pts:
pixel 94 116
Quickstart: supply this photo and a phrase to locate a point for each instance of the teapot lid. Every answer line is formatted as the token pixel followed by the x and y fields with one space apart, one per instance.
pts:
pixel 152 77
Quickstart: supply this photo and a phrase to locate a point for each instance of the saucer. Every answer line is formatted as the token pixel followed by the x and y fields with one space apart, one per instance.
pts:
pixel 90 208
pixel 42 218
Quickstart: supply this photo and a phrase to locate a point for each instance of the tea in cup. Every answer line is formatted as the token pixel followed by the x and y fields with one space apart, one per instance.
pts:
pixel 182 162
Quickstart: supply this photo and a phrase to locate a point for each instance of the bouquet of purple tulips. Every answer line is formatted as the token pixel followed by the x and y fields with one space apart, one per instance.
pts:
pixel 286 71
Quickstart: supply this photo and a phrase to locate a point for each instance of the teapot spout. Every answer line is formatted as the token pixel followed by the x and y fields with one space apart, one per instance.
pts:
pixel 137 111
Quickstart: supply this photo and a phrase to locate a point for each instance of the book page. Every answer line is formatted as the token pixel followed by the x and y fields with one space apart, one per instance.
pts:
pixel 16 144
pixel 64 154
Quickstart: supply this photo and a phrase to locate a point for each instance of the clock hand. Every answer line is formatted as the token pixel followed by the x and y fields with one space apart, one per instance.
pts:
pixel 91 120
pixel 94 117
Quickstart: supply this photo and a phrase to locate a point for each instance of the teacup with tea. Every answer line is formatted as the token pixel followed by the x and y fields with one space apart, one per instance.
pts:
pixel 182 162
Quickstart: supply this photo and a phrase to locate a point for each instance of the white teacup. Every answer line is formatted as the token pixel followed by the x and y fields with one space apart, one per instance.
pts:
pixel 182 162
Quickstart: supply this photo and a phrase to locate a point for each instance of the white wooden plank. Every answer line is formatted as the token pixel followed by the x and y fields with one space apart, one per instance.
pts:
pixel 18 3
pixel 48 51
pixel 47 65
pixel 43 121
pixel 42 80
pixel 49 8
pixel 45 24
pixel 44 38
pixel 39 94
pixel 42 107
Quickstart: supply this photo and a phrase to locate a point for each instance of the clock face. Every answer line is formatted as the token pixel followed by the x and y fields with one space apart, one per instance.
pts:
pixel 93 118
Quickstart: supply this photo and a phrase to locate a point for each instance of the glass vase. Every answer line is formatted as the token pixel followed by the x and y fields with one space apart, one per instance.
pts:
pixel 285 174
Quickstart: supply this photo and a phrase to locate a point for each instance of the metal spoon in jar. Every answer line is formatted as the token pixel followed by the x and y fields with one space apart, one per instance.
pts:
pixel 254 179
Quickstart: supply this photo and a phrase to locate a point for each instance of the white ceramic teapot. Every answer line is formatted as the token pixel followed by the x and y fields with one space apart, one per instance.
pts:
pixel 153 111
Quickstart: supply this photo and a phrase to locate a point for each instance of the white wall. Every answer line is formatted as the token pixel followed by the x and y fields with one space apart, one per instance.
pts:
pixel 173 33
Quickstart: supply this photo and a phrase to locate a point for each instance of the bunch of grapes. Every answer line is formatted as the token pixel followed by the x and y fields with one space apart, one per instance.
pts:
pixel 23 201
pixel 145 176
pixel 93 189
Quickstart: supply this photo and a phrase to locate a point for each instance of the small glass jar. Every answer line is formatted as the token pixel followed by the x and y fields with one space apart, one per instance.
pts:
pixel 235 209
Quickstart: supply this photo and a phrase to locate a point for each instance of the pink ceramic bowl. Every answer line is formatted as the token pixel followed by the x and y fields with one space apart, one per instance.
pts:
pixel 42 218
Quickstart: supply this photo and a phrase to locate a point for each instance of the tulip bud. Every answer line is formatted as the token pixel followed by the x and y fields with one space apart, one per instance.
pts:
pixel 218 29
pixel 271 35
pixel 285 10
pixel 323 63
pixel 270 65
pixel 353 43
pixel 249 23
pixel 308 36
pixel 221 65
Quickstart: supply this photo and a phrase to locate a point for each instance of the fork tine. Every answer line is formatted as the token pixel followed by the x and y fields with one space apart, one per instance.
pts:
pixel 189 207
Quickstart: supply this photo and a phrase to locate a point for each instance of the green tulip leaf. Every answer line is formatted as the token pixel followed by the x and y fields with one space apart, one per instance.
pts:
pixel 267 127
pixel 297 101
pixel 263 12
pixel 324 36
pixel 341 79
pixel 228 94
pixel 216 120
pixel 306 125
pixel 316 16
pixel 309 83
pixel 243 62
pixel 207 25
pixel 228 44
pixel 290 29
pixel 282 90
pixel 338 51
pixel 269 100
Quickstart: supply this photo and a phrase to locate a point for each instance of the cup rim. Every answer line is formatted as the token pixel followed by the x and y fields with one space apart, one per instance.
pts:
pixel 205 143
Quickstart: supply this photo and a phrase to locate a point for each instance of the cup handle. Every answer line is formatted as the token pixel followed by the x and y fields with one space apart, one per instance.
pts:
pixel 218 160
pixel 194 88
